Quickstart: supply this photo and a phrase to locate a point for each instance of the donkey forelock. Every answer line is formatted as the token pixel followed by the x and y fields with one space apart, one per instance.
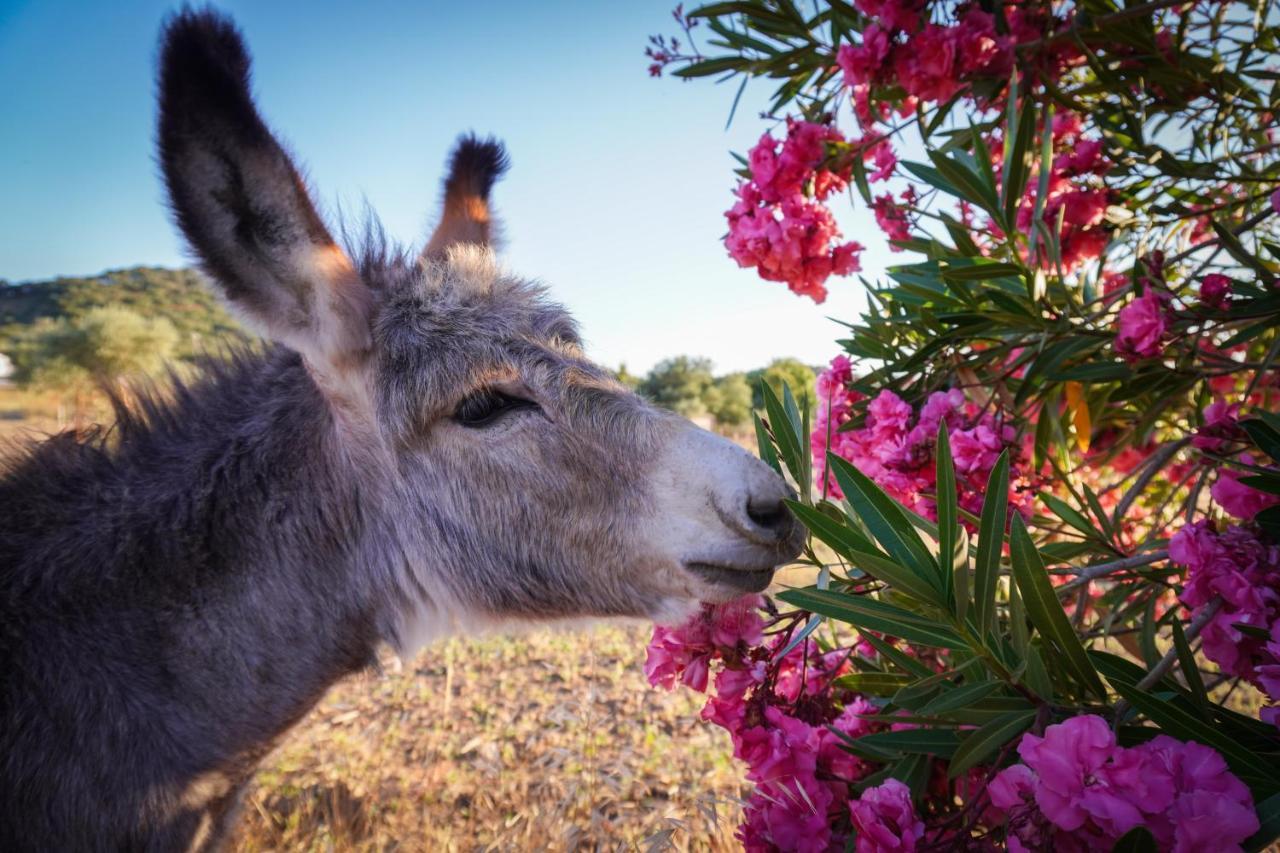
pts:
pixel 424 446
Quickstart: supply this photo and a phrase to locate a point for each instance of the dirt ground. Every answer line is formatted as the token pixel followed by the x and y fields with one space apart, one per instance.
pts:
pixel 546 741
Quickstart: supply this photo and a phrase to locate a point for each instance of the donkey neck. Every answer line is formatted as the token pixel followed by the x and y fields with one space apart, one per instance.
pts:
pixel 212 557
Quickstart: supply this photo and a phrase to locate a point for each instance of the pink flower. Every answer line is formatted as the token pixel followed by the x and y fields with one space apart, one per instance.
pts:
pixel 1221 426
pixel 1245 572
pixel 1238 499
pixel 1079 790
pixel 1141 327
pixel 885 819
pixel 1208 807
pixel 1080 778
pixel 1275 201
pixel 862 63
pixel 791 815
pixel 684 652
pixel 893 14
pixel 1215 291
pixel 892 219
pixel 926 65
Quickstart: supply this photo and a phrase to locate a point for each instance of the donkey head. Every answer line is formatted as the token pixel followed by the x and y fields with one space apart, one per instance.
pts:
pixel 512 476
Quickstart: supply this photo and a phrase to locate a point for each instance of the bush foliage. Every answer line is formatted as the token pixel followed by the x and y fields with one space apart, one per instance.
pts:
pixel 1041 480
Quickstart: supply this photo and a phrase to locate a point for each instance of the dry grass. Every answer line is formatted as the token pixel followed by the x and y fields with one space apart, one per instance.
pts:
pixel 550 740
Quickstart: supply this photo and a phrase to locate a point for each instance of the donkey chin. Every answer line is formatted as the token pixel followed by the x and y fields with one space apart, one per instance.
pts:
pixel 422 439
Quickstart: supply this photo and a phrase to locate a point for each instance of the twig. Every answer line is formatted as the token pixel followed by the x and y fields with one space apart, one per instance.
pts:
pixel 1090 573
pixel 1194 627
pixel 1154 466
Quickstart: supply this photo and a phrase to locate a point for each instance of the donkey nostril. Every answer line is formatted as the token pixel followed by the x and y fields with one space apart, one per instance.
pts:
pixel 773 517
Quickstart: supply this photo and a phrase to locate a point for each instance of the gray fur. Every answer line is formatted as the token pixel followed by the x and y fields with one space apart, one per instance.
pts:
pixel 177 592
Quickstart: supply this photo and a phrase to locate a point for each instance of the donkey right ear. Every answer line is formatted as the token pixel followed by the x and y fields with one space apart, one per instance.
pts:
pixel 242 204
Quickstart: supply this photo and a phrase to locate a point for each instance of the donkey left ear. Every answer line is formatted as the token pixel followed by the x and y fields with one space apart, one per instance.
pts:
pixel 474 166
pixel 243 205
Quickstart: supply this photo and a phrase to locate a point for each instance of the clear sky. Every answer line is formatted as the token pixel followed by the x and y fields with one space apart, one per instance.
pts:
pixel 618 182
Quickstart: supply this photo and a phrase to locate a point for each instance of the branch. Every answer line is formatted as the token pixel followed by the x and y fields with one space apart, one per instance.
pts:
pixel 1194 627
pixel 1102 569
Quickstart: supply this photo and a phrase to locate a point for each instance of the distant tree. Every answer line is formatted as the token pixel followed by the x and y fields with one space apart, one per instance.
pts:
pixel 729 400
pixel 626 377
pixel 102 345
pixel 798 375
pixel 180 296
pixel 680 384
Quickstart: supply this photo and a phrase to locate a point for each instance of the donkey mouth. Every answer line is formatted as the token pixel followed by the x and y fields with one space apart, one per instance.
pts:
pixel 744 580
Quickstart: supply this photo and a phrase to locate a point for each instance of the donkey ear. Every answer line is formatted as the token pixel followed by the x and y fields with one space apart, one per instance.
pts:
pixel 474 166
pixel 243 205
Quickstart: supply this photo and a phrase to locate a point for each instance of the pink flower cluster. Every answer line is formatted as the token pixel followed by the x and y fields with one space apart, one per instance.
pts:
pixel 1244 571
pixel 902 51
pixel 1074 192
pixel 895 445
pixel 788 723
pixel 1141 326
pixel 779 224
pixel 1078 790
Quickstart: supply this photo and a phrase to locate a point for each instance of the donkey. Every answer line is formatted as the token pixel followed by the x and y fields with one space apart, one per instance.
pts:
pixel 424 447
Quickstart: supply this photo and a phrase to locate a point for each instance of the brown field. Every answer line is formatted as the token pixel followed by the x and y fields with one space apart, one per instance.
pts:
pixel 550 740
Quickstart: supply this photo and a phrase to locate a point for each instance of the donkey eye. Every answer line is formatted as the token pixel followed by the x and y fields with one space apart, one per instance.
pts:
pixel 485 407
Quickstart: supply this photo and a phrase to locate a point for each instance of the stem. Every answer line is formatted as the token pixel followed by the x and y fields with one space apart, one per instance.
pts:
pixel 1194 627
pixel 1103 569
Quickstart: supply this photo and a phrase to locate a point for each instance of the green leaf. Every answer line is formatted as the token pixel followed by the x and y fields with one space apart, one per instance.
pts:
pixel 872 615
pixel 1137 840
pixel 1190 672
pixel 1020 129
pixel 959 697
pixel 842 538
pixel 790 447
pixel 1036 676
pixel 874 683
pixel 1184 726
pixel 1269 818
pixel 1264 436
pixel 899 577
pixel 1044 609
pixel 885 519
pixel 765 445
pixel 1070 515
pixel 983 743
pixel 715 65
pixel 903 661
pixel 940 742
pixel 986 570
pixel 967 183
pixel 948 522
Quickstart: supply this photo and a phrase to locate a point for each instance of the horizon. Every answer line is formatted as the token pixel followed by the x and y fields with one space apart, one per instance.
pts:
pixel 617 211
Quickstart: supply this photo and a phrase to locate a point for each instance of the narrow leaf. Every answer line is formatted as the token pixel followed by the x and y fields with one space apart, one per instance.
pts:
pixel 995 507
pixel 983 743
pixel 1044 609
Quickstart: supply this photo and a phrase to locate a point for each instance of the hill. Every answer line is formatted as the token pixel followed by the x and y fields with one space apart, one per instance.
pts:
pixel 178 295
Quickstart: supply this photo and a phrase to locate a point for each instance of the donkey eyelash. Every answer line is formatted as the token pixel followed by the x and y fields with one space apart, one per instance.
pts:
pixel 486 407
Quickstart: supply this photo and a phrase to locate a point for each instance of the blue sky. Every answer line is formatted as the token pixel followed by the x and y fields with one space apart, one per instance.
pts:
pixel 618 182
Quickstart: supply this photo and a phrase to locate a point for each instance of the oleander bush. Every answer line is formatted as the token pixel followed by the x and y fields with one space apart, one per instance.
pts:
pixel 1042 480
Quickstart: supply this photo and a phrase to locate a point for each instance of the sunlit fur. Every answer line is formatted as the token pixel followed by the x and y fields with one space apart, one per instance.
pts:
pixel 179 590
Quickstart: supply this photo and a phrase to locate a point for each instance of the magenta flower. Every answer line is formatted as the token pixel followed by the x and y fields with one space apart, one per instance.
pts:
pixel 1221 426
pixel 1080 778
pixel 1141 327
pixel 1208 807
pixel 1238 499
pixel 885 819
pixel 1215 291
